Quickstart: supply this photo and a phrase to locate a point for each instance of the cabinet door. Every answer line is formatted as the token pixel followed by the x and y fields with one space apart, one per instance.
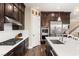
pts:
pixel 65 18
pixel 22 20
pixel 16 15
pixel 16 12
pixel 19 50
pixel 1 16
pixel 19 5
pixel 9 9
pixel 45 20
pixel 16 4
pixel 23 8
pixel 19 10
pixel 26 44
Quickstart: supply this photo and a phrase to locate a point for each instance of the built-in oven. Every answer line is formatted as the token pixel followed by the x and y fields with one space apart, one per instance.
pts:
pixel 44 33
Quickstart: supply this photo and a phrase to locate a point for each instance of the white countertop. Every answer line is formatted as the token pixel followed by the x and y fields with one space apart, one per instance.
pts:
pixel 69 48
pixel 6 49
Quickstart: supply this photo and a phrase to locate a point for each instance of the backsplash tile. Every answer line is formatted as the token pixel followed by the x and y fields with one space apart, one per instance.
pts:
pixel 8 33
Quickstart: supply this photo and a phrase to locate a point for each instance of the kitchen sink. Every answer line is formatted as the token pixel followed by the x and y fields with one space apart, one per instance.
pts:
pixel 12 41
pixel 56 42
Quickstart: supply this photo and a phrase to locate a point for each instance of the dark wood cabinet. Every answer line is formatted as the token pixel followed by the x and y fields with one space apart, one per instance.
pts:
pixel 20 6
pixel 48 16
pixel 45 19
pixel 16 13
pixel 8 9
pixel 1 16
pixel 12 10
pixel 16 16
pixel 26 44
pixel 49 50
pixel 19 16
pixel 10 53
pixel 23 8
pixel 19 50
pixel 22 20
pixel 16 4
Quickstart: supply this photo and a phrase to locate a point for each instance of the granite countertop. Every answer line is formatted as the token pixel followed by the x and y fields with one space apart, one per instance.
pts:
pixel 5 49
pixel 69 48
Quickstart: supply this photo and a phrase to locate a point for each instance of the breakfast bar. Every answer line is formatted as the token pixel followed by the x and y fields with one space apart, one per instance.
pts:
pixel 70 47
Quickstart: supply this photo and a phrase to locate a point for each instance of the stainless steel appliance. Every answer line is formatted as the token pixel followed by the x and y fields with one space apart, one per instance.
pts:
pixel 12 41
pixel 11 20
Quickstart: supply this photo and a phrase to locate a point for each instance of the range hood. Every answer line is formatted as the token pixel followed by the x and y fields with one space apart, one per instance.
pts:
pixel 11 20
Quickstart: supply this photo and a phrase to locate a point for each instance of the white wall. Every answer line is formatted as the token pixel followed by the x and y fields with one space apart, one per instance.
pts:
pixel 28 23
pixel 8 33
pixel 30 27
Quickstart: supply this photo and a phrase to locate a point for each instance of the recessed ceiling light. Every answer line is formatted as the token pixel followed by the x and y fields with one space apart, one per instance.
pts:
pixel 37 8
pixel 76 10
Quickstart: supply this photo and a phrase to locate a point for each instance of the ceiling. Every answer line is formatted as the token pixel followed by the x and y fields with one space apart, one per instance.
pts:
pixel 53 6
pixel 70 7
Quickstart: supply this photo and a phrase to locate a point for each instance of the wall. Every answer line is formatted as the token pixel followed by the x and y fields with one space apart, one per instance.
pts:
pixel 28 23
pixel 30 27
pixel 74 20
pixel 8 33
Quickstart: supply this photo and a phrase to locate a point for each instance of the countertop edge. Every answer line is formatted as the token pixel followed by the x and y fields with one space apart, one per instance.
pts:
pixel 15 45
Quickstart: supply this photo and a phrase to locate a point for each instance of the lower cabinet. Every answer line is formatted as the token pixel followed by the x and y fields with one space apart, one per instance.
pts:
pixel 49 50
pixel 10 53
pixel 26 44
pixel 19 50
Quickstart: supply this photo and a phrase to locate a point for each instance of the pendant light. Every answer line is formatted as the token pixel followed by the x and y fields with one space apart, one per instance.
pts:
pixel 59 18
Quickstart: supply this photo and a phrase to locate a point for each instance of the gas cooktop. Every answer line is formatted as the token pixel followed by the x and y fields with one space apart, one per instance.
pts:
pixel 12 41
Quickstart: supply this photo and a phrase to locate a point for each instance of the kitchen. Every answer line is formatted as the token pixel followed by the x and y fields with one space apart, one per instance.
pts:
pixel 37 29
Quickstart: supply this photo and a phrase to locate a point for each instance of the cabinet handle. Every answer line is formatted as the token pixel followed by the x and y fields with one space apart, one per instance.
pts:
pixel 51 52
pixel 11 54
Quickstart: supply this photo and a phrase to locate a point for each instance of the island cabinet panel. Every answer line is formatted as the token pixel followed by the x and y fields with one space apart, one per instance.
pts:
pixel 19 50
pixel 10 53
pixel 1 16
pixel 49 50
pixel 26 44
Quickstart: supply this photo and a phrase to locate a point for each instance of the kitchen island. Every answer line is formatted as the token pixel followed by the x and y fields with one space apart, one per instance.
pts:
pixel 5 50
pixel 70 47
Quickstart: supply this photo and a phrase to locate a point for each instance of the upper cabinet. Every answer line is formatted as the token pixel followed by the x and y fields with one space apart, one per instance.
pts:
pixel 19 13
pixel 53 16
pixel 8 9
pixel 15 11
pixel 1 16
